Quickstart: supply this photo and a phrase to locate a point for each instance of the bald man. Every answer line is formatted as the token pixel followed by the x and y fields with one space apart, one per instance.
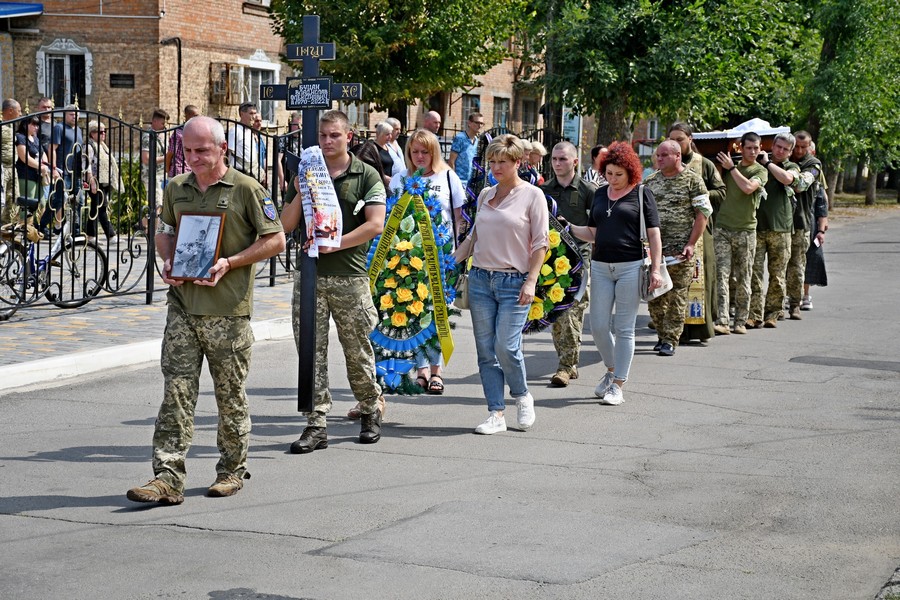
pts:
pixel 684 208
pixel 432 122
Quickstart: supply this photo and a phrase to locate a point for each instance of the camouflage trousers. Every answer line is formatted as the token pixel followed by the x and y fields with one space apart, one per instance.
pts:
pixel 8 181
pixel 226 343
pixel 348 301
pixel 566 331
pixel 796 268
pixel 668 310
pixel 773 249
pixel 734 259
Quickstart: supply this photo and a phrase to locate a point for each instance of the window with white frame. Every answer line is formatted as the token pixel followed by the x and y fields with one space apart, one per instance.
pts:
pixel 259 70
pixel 357 113
pixel 65 72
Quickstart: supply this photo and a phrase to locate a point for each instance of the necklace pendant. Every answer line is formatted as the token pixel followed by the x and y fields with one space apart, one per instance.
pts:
pixel 608 212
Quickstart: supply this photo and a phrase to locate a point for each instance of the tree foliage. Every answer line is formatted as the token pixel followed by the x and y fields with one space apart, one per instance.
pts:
pixel 404 50
pixel 712 62
pixel 854 99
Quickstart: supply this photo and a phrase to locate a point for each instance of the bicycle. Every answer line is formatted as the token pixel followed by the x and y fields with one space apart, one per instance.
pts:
pixel 70 275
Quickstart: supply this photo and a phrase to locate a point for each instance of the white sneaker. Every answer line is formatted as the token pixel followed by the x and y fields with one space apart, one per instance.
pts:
pixel 806 303
pixel 604 385
pixel 494 424
pixel 613 396
pixel 525 416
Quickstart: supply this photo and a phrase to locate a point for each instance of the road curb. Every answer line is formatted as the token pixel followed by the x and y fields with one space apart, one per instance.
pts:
pixel 59 368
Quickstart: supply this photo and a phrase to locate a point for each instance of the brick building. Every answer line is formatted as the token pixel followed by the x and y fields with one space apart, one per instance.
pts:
pixel 126 57
pixel 129 56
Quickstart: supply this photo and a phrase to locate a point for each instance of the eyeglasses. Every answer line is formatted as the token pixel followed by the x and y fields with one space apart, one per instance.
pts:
pixel 478 122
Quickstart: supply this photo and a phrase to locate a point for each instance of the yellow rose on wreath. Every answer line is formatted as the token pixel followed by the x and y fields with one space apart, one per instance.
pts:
pixel 548 255
pixel 386 302
pixel 404 245
pixel 390 282
pixel 422 291
pixel 556 294
pixel 416 263
pixel 404 295
pixel 393 262
pixel 536 311
pixel 417 307
pixel 546 269
pixel 562 265
pixel 403 271
pixel 555 238
pixel 398 319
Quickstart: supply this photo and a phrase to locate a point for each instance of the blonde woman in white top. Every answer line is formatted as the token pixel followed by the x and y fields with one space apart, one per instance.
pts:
pixel 510 241
pixel 423 151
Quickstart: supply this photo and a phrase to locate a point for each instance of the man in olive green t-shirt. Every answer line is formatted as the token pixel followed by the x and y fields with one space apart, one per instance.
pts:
pixel 342 286
pixel 735 235
pixel 775 222
pixel 209 317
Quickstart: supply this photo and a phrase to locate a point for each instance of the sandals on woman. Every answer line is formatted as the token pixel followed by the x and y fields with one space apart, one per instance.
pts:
pixel 422 382
pixel 436 385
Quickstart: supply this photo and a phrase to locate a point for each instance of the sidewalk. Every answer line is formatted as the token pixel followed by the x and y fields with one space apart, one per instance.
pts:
pixel 45 343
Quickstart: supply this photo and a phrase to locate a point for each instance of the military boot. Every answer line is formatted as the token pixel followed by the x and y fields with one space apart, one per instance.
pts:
pixel 312 438
pixel 156 490
pixel 370 429
pixel 227 484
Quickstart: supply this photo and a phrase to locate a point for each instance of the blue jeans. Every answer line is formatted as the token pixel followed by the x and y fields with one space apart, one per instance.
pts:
pixel 497 321
pixel 615 285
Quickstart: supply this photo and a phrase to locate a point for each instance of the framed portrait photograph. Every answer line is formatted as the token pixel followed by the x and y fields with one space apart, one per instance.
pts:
pixel 198 238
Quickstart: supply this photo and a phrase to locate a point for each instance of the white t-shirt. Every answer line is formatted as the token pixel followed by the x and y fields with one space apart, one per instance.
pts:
pixel 399 161
pixel 444 185
pixel 244 150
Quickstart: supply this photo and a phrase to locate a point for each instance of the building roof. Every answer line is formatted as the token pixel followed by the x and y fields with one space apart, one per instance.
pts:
pixel 20 9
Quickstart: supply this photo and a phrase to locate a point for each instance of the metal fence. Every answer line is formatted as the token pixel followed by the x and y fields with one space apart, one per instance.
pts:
pixel 90 231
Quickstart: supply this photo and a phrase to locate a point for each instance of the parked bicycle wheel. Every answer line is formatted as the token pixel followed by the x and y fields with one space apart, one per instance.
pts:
pixel 12 278
pixel 77 273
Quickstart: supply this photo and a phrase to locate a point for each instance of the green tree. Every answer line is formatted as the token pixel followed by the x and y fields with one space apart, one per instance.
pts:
pixel 712 62
pixel 405 50
pixel 854 99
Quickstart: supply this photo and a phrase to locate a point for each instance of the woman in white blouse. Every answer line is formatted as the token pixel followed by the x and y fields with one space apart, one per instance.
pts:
pixel 423 151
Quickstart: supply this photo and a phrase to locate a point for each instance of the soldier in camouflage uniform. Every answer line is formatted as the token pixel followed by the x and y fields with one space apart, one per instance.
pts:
pixel 209 318
pixel 11 110
pixel 774 223
pixel 702 319
pixel 736 232
pixel 684 207
pixel 805 187
pixel 342 286
pixel 573 198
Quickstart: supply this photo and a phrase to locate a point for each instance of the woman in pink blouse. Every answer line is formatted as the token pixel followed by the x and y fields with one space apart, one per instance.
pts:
pixel 507 248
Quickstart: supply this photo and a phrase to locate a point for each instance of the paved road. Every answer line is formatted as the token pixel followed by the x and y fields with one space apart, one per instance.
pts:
pixel 763 466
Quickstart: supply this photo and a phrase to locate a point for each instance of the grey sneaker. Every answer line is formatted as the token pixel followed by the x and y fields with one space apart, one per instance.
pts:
pixel 613 396
pixel 495 423
pixel 155 490
pixel 227 484
pixel 604 385
pixel 525 416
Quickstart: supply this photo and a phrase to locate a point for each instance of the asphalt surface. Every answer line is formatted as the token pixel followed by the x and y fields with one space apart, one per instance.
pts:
pixel 762 466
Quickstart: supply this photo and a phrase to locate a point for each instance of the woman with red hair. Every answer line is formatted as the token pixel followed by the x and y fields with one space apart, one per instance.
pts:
pixel 614 227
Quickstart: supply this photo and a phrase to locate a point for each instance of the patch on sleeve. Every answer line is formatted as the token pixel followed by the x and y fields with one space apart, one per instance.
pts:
pixel 269 208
